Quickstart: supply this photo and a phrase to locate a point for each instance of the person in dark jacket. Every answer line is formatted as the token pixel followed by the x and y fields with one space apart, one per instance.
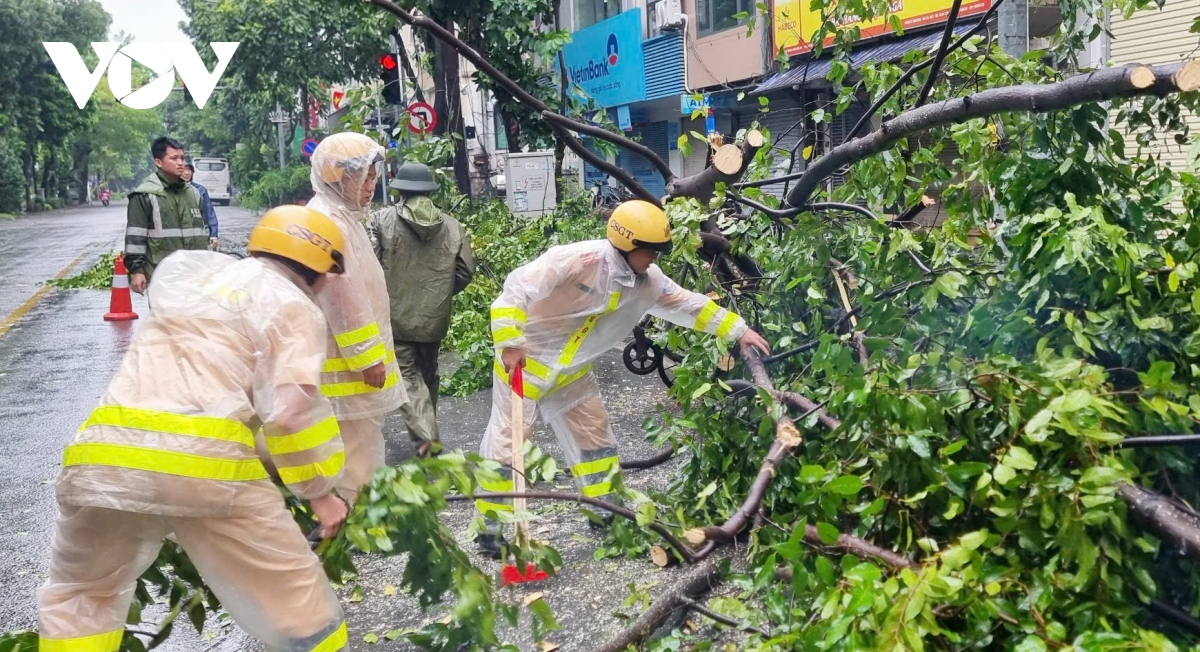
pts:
pixel 427 259
pixel 163 217
pixel 206 206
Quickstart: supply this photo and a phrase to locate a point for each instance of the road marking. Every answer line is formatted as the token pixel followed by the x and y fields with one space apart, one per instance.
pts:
pixel 22 310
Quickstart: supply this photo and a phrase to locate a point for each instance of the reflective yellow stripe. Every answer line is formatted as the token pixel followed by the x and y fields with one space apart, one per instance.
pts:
pixel 160 461
pixel 306 439
pixel 107 642
pixel 727 324
pixel 573 344
pixel 706 315
pixel 506 334
pixel 336 641
pixel 327 469
pixel 334 365
pixel 576 341
pixel 354 388
pixel 357 336
pixel 599 489
pixel 484 506
pixel 532 392
pixel 563 381
pixel 536 368
pixel 172 423
pixel 601 465
pixel 515 314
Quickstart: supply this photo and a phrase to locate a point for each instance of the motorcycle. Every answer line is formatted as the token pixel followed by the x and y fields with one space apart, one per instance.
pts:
pixel 105 196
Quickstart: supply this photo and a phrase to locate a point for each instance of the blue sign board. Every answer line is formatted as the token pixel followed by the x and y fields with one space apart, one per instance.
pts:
pixel 689 104
pixel 308 147
pixel 606 60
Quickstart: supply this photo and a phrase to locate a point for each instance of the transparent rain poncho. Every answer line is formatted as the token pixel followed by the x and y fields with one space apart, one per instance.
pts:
pixel 229 346
pixel 355 303
pixel 565 309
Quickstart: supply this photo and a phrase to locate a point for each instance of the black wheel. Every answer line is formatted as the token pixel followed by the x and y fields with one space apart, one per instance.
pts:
pixel 666 366
pixel 641 357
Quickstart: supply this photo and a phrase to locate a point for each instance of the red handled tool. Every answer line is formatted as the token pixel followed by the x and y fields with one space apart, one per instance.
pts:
pixel 509 573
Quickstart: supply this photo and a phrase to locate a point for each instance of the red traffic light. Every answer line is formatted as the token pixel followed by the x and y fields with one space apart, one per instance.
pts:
pixel 387 61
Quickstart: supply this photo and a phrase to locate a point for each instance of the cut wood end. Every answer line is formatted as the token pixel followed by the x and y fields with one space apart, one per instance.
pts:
pixel 659 556
pixel 1187 78
pixel 1141 77
pixel 728 159
pixel 726 362
pixel 787 434
pixel 926 200
pixel 755 138
pixel 695 536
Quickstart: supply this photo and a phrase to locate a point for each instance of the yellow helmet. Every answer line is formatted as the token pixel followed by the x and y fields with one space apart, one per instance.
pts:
pixel 345 151
pixel 638 224
pixel 302 235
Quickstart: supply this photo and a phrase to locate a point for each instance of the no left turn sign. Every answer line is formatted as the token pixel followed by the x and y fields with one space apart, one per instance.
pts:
pixel 421 118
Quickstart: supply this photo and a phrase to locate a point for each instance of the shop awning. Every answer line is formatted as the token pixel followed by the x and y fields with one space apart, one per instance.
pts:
pixel 810 70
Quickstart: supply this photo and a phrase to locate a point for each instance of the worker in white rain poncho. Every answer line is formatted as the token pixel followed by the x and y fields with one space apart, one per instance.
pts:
pixel 562 311
pixel 360 373
pixel 231 346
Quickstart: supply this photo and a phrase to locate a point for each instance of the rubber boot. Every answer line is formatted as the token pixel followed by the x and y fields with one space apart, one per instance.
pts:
pixel 491 542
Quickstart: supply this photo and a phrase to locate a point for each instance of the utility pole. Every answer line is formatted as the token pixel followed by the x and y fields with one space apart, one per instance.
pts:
pixel 1013 26
pixel 280 119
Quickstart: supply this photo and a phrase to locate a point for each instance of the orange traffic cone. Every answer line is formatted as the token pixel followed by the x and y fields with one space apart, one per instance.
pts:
pixel 120 307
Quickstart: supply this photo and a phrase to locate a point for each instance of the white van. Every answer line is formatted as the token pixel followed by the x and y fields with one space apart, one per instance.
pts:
pixel 213 174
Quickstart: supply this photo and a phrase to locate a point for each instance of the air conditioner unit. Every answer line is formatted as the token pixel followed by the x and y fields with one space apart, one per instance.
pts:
pixel 668 14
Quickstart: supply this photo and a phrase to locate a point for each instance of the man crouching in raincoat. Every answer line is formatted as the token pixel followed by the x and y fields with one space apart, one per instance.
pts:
pixel 231 346
pixel 559 313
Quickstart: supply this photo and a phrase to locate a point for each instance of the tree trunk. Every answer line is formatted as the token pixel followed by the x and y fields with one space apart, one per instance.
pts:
pixel 306 110
pixel 729 163
pixel 448 106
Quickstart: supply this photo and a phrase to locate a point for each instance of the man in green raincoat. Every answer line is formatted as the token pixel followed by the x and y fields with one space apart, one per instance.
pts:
pixel 163 216
pixel 427 259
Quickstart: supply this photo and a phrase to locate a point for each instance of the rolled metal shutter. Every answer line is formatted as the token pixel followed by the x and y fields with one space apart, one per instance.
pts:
pixel 654 136
pixel 785 126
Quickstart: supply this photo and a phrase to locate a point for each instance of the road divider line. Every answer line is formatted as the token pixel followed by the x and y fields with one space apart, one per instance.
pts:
pixel 22 310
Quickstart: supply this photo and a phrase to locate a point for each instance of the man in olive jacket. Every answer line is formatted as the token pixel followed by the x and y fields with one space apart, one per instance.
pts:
pixel 164 215
pixel 427 259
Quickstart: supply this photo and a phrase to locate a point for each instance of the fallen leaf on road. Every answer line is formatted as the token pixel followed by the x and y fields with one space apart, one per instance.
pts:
pixel 389 590
pixel 547 646
pixel 371 638
pixel 531 598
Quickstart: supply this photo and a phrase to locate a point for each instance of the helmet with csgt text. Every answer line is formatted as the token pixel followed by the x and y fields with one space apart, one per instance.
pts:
pixel 302 235
pixel 638 224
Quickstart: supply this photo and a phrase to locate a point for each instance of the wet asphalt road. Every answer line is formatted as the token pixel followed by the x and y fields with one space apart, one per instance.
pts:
pixel 56 361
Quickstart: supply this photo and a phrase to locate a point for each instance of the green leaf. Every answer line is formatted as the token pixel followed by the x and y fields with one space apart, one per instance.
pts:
pixel 1003 474
pixel 372 637
pixel 810 473
pixel 814 293
pixel 1020 459
pixel 701 390
pixel 846 485
pixel 1100 476
pixel 828 533
pixel 1031 643
pixel 825 569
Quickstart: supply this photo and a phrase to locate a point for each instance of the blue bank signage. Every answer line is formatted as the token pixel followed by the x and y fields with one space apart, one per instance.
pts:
pixel 606 60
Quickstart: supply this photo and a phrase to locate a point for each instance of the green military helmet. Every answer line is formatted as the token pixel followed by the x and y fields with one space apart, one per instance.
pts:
pixel 414 178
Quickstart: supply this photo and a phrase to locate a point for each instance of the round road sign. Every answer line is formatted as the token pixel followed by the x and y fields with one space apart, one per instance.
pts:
pixel 421 118
pixel 308 146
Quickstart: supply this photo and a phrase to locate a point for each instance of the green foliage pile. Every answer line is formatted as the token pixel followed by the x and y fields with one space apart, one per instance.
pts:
pixel 503 242
pixel 281 186
pixel 96 277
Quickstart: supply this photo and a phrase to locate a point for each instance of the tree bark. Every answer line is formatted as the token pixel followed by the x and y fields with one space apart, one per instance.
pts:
pixel 1163 519
pixel 730 162
pixel 697 581
pixel 1097 86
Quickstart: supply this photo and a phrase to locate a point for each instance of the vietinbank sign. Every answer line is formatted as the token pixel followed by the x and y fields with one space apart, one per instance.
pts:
pixel 606 61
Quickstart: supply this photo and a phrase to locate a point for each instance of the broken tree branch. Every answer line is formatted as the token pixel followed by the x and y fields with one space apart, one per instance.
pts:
pixel 866 118
pixel 787 437
pixel 729 163
pixel 1159 440
pixel 597 131
pixel 1096 86
pixel 700 579
pixel 1163 518
pixel 523 96
pixel 719 618
pixel 943 50
pixel 788 398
